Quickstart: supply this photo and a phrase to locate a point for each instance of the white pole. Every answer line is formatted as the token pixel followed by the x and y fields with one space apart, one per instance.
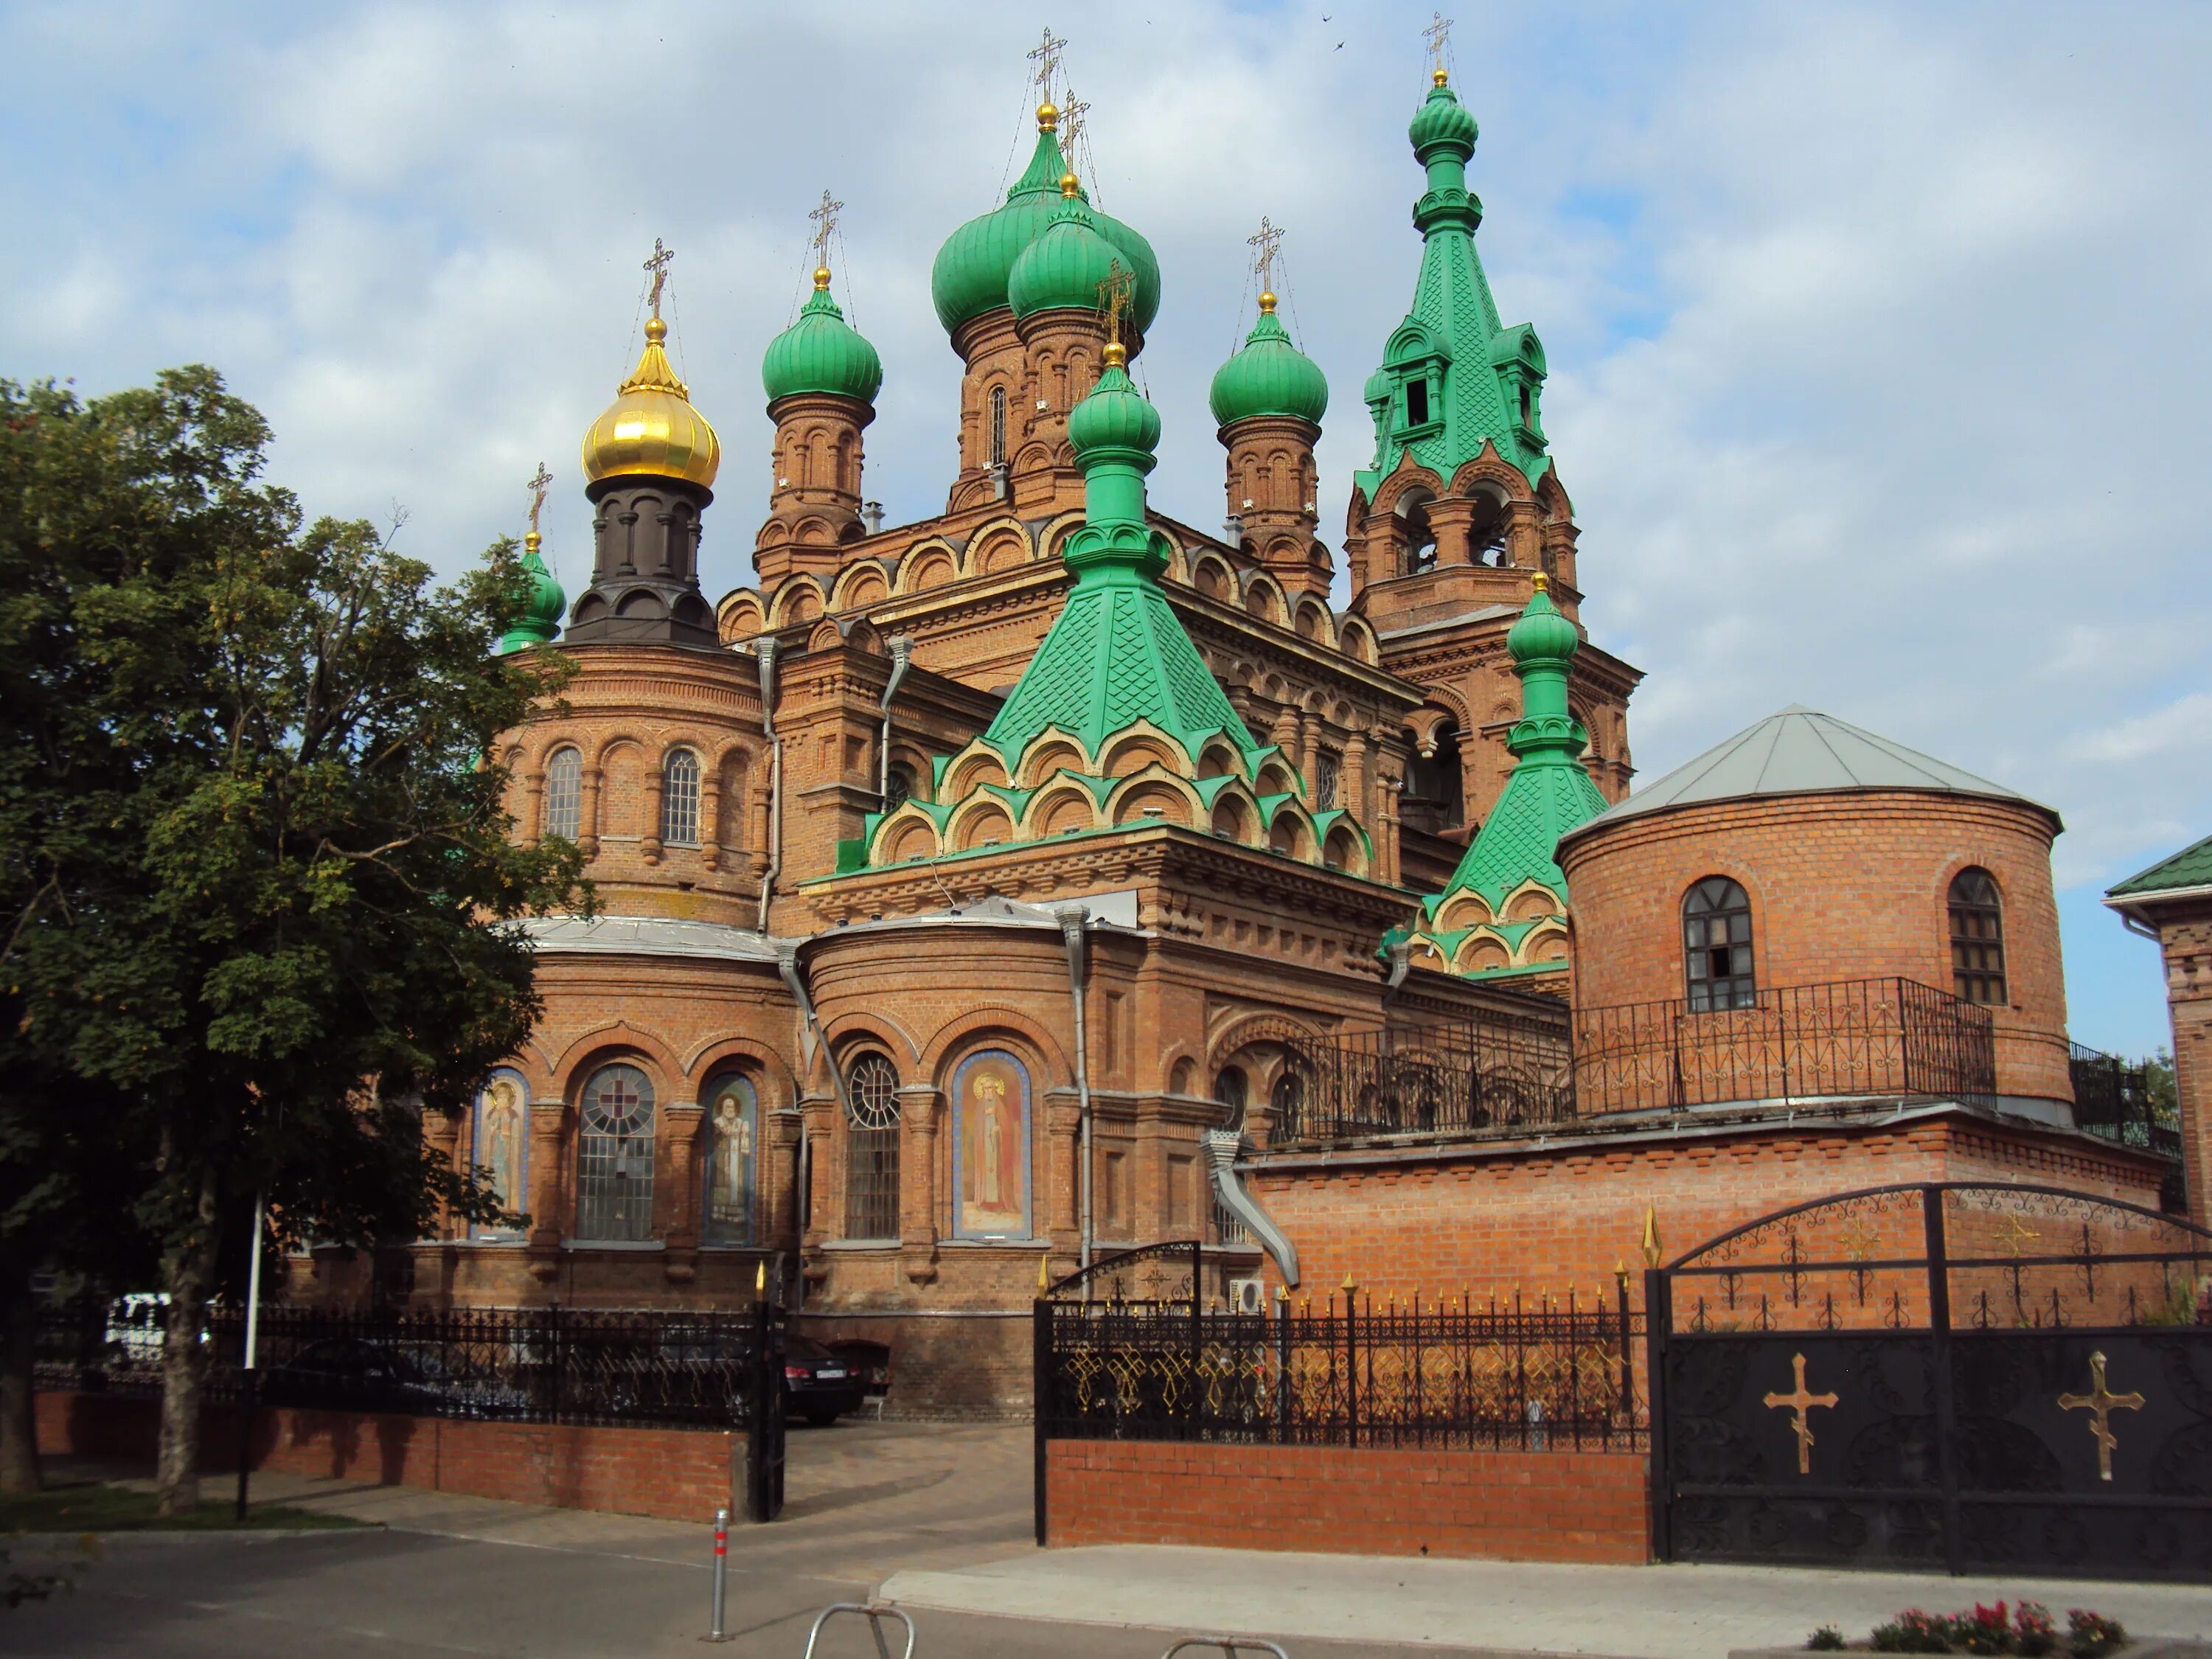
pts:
pixel 253 1286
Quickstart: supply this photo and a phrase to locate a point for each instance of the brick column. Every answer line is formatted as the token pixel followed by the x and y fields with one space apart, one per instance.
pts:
pixel 1058 1216
pixel 533 807
pixel 1453 521
pixel 678 1199
pixel 650 843
pixel 587 811
pixel 1524 534
pixel 920 1109
pixel 778 1173
pixel 442 1129
pixel 2185 934
pixel 1358 791
pixel 710 815
pixel 548 1119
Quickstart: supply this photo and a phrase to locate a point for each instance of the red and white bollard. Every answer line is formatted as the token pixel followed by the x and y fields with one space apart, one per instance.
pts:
pixel 721 1574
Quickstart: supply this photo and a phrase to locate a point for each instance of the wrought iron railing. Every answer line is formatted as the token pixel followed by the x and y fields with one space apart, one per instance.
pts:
pixel 1851 1039
pixel 1559 1377
pixel 543 1365
pixel 2113 1100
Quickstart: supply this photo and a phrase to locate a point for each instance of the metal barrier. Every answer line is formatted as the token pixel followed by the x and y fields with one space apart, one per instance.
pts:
pixel 875 1613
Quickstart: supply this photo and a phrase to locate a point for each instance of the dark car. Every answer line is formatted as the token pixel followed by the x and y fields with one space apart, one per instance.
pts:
pixel 350 1373
pixel 818 1385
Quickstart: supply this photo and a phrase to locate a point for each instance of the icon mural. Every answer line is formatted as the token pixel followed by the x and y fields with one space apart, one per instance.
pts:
pixel 500 1142
pixel 733 1114
pixel 991 1130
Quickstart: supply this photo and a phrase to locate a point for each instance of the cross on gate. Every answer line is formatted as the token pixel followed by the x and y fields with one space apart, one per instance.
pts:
pixel 658 264
pixel 538 486
pixel 1801 1400
pixel 2100 1402
pixel 2017 1236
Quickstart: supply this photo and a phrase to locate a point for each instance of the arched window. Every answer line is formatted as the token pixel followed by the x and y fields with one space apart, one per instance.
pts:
pixel 872 1149
pixel 1233 1091
pixel 614 1156
pixel 1717 945
pixel 898 786
pixel 679 799
pixel 998 426
pixel 732 1158
pixel 1977 969
pixel 564 794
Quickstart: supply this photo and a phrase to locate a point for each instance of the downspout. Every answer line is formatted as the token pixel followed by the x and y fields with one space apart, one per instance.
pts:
pixel 1222 1146
pixel 1073 919
pixel 764 650
pixel 902 650
pixel 1401 963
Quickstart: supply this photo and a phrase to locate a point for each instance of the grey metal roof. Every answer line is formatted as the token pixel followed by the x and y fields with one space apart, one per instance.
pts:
pixel 1799 752
pixel 646 936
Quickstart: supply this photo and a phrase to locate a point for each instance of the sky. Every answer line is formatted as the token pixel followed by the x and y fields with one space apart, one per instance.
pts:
pixel 1876 332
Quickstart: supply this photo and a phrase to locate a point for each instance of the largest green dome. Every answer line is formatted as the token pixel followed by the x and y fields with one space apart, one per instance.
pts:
pixel 821 353
pixel 970 274
pixel 1269 376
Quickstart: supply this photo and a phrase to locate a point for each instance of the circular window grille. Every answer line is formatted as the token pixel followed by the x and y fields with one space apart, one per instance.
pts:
pixel 618 1101
pixel 873 1089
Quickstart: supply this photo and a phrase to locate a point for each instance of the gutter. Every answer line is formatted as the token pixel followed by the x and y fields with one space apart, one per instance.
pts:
pixel 1222 1148
pixel 1073 919
pixel 902 650
pixel 764 650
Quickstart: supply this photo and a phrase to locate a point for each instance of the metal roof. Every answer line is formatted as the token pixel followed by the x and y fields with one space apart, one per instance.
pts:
pixel 646 936
pixel 2187 870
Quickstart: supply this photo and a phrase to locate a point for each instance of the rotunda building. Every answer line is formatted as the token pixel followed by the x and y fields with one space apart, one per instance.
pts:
pixel 1809 874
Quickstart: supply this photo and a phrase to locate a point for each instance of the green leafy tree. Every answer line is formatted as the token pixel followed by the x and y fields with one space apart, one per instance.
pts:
pixel 295 930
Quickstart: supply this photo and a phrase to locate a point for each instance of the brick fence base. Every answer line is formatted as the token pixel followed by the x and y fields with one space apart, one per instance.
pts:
pixel 1502 1505
pixel 677 1474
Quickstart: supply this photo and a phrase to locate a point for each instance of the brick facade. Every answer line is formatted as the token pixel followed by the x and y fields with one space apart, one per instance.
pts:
pixel 2183 925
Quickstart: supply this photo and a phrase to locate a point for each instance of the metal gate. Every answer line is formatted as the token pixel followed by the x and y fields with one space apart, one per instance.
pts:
pixel 1953 1373
pixel 764 1419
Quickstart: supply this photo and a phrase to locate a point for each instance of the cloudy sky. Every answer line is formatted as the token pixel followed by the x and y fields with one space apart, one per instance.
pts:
pixel 1877 332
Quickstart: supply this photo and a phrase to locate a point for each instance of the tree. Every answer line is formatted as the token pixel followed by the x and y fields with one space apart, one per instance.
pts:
pixel 295 930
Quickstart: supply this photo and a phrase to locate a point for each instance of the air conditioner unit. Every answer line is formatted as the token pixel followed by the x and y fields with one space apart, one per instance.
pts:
pixel 1247 1296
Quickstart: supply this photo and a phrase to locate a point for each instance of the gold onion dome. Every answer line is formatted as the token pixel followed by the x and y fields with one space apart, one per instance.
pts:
pixel 651 426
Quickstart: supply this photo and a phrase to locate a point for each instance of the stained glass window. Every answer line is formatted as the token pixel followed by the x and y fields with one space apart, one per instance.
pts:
pixel 614 1156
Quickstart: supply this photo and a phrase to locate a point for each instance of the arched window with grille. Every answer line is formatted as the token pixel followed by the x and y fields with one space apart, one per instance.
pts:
pixel 614 1156
pixel 1233 1092
pixel 564 794
pixel 872 1149
pixel 998 426
pixel 898 786
pixel 1978 967
pixel 1716 946
pixel 679 799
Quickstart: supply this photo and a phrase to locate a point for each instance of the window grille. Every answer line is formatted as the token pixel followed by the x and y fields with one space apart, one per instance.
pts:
pixel 872 1149
pixel 614 1156
pixel 564 794
pixel 1329 776
pixel 1233 1092
pixel 679 799
pixel 1716 946
pixel 1977 969
pixel 998 426
pixel 898 787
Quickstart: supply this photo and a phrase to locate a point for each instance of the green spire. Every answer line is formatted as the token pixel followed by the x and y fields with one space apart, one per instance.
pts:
pixel 1548 793
pixel 540 620
pixel 1269 376
pixel 1452 378
pixel 820 352
pixel 1116 653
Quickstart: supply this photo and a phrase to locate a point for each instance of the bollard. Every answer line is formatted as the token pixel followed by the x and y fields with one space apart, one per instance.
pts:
pixel 721 1574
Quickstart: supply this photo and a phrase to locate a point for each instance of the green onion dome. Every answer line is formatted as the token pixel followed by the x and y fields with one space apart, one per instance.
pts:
pixel 1442 123
pixel 972 269
pixel 1114 416
pixel 1269 376
pixel 541 616
pixel 822 352
pixel 1067 267
pixel 1542 634
pixel 1378 387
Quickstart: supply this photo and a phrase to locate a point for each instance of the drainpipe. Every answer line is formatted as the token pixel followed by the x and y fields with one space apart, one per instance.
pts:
pixel 1072 919
pixel 764 650
pixel 1401 963
pixel 902 649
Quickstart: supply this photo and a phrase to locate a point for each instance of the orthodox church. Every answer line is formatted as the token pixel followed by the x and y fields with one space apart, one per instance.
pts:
pixel 987 894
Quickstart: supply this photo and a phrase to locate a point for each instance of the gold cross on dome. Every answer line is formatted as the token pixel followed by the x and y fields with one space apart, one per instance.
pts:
pixel 1046 56
pixel 1801 1400
pixel 1266 245
pixel 1070 125
pixel 1113 298
pixel 825 226
pixel 1438 32
pixel 538 486
pixel 2100 1402
pixel 658 264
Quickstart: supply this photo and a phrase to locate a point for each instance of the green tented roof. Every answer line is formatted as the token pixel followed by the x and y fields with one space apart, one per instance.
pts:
pixel 2191 867
pixel 1519 841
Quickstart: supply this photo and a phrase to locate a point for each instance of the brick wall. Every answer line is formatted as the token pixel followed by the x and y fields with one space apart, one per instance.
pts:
pixel 2186 938
pixel 677 1474
pixel 1500 1505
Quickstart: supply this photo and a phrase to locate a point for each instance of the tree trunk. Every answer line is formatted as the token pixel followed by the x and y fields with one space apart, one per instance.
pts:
pixel 18 1417
pixel 189 1268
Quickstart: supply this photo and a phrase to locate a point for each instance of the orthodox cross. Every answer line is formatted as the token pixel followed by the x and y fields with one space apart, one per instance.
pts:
pixel 1439 32
pixel 538 486
pixel 2100 1402
pixel 1266 244
pixel 1070 125
pixel 1046 56
pixel 1801 1400
pixel 825 226
pixel 658 264
pixel 1113 298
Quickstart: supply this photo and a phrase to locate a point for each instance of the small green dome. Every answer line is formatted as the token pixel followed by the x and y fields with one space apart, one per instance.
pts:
pixel 1064 267
pixel 1542 633
pixel 1443 122
pixel 1269 376
pixel 971 271
pixel 822 353
pixel 1115 415
pixel 1378 387
pixel 541 616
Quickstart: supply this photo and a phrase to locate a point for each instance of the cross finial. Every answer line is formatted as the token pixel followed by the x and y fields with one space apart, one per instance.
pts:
pixel 824 216
pixel 538 486
pixel 1114 293
pixel 658 264
pixel 1071 125
pixel 1438 32
pixel 1046 56
pixel 1265 243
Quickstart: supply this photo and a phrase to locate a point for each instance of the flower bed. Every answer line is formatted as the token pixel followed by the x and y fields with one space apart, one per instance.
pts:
pixel 2026 1628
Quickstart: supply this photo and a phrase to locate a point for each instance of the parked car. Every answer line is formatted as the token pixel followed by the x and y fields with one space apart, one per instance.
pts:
pixel 353 1373
pixel 818 1385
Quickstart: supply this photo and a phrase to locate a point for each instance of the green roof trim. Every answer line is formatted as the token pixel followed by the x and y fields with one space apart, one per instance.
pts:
pixel 2191 867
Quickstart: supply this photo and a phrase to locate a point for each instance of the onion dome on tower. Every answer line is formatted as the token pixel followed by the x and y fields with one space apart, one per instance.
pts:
pixel 1269 376
pixel 822 353
pixel 540 621
pixel 651 428
pixel 1068 267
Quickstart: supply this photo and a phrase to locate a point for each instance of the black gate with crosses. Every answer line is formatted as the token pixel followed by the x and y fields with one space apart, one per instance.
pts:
pixel 1957 1374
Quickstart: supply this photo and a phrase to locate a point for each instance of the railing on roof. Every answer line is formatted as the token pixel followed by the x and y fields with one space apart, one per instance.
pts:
pixel 2112 1100
pixel 1854 1039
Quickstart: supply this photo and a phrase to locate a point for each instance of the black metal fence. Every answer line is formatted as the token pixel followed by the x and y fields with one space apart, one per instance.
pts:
pixel 1558 1376
pixel 1850 1039
pixel 2112 1099
pixel 538 1365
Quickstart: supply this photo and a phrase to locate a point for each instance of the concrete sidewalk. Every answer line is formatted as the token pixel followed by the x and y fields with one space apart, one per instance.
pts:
pixel 1622 1613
